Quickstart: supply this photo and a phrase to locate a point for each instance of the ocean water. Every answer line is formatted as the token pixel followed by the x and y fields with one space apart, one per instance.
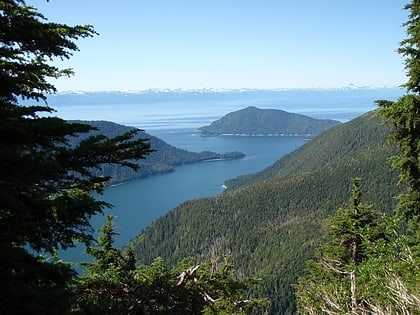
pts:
pixel 177 110
pixel 146 199
pixel 175 119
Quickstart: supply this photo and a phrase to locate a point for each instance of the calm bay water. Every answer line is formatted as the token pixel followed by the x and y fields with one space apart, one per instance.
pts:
pixel 139 202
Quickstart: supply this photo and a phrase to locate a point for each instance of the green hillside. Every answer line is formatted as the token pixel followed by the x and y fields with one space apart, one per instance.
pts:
pixel 271 224
pixel 255 121
pixel 163 160
pixel 365 133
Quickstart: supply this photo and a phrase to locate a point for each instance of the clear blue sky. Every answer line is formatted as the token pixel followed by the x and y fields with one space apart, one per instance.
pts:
pixel 232 43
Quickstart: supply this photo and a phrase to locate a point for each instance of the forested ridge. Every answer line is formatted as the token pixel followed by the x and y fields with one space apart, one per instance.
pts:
pixel 366 132
pixel 163 159
pixel 271 225
pixel 256 121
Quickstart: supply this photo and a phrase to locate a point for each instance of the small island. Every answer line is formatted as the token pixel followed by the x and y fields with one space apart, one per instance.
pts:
pixel 252 121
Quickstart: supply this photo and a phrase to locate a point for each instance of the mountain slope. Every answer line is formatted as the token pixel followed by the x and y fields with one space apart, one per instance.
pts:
pixel 164 159
pixel 270 227
pixel 255 121
pixel 363 133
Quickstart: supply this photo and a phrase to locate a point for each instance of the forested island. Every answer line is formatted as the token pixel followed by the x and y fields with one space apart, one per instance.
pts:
pixel 253 121
pixel 163 159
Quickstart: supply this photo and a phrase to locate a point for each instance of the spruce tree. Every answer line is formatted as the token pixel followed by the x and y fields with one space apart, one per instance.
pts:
pixel 108 285
pixel 333 283
pixel 46 184
pixel 404 114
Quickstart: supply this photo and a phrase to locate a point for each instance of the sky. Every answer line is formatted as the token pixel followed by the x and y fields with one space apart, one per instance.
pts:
pixel 230 44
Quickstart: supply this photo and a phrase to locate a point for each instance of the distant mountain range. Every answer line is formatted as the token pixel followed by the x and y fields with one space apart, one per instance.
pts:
pixel 159 95
pixel 219 90
pixel 254 121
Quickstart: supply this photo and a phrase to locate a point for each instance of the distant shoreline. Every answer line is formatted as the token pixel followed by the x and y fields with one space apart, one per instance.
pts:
pixel 256 134
pixel 173 169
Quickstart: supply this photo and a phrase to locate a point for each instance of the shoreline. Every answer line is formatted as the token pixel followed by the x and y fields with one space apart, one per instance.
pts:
pixel 256 134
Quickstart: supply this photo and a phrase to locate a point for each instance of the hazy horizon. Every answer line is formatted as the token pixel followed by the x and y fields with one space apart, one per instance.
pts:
pixel 244 89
